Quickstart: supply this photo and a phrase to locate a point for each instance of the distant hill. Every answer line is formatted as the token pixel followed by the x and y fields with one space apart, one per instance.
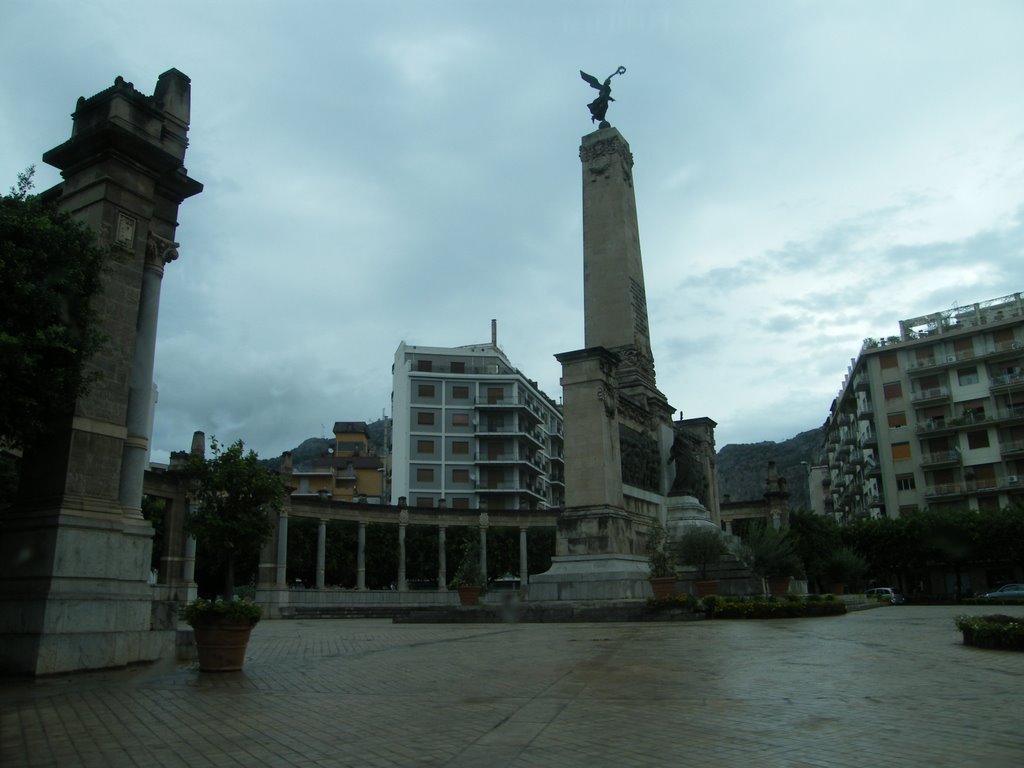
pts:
pixel 315 447
pixel 743 468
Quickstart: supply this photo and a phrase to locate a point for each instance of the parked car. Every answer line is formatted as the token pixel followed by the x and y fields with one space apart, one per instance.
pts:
pixel 888 594
pixel 1007 590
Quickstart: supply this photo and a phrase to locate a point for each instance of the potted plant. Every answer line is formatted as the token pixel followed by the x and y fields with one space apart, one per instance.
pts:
pixel 222 630
pixel 663 572
pixel 232 494
pixel 702 548
pixel 468 579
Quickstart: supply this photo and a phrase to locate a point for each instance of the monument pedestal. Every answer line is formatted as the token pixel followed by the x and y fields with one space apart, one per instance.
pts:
pixel 597 558
pixel 686 513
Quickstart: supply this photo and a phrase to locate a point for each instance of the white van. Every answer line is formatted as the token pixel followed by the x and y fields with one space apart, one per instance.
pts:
pixel 887 594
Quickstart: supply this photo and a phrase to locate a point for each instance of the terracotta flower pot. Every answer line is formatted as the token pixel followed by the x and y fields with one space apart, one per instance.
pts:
pixel 662 586
pixel 221 644
pixel 778 585
pixel 838 589
pixel 708 587
pixel 469 595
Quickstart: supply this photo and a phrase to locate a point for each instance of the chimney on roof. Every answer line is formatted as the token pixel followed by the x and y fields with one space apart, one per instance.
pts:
pixel 494 332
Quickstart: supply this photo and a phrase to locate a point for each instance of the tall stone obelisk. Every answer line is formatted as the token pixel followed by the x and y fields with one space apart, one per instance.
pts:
pixel 75 549
pixel 618 428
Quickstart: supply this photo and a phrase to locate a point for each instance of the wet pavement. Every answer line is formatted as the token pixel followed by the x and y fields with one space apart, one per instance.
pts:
pixel 886 687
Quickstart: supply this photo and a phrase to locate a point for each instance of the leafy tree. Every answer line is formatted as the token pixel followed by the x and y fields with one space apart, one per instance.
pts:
pixel 769 552
pixel 233 492
pixel 50 269
pixel 702 549
pixel 814 536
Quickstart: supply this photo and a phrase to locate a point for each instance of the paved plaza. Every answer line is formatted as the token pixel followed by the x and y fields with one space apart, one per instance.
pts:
pixel 886 687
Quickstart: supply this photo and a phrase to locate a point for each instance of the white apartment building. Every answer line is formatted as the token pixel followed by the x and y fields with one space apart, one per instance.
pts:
pixel 933 417
pixel 470 431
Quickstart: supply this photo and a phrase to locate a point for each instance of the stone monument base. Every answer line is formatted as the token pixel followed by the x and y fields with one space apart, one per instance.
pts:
pixel 593 577
pixel 685 514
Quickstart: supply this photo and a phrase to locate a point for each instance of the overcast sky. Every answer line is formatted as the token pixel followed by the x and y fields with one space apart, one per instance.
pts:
pixel 807 174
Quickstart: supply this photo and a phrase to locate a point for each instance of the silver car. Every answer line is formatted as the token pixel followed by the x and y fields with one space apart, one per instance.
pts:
pixel 1007 590
pixel 886 594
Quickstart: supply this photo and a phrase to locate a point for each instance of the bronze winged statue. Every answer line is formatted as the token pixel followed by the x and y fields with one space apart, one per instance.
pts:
pixel 599 106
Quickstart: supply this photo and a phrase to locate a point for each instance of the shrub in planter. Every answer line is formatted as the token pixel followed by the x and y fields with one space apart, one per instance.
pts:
pixel 997 631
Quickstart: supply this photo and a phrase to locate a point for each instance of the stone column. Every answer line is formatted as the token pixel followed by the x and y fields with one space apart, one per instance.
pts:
pixel 282 550
pixel 135 453
pixel 361 557
pixel 484 522
pixel 189 564
pixel 524 576
pixel 321 553
pixel 403 522
pixel 442 562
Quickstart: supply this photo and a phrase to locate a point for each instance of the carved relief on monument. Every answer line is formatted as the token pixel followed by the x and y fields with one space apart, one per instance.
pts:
pixel 606 395
pixel 601 156
pixel 641 460
pixel 159 252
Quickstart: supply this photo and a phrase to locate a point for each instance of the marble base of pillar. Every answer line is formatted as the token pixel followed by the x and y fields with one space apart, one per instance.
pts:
pixel 685 514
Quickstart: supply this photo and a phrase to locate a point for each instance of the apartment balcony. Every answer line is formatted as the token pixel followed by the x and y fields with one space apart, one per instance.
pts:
pixel 988 485
pixel 934 427
pixel 944 491
pixel 856 458
pixel 941 459
pixel 1005 350
pixel 861 383
pixel 865 412
pixel 869 439
pixel 842 452
pixel 849 440
pixel 924 365
pixel 872 468
pixel 1011 448
pixel 1008 382
pixel 873 500
pixel 1010 415
pixel 929 396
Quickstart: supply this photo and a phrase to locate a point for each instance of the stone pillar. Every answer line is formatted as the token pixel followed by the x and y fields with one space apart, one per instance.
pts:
pixel 135 454
pixel 321 553
pixel 442 561
pixel 281 564
pixel 361 557
pixel 524 576
pixel 75 551
pixel 484 522
pixel 189 569
pixel 403 522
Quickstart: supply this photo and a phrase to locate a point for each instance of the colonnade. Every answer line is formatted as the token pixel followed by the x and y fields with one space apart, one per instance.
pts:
pixel 482 522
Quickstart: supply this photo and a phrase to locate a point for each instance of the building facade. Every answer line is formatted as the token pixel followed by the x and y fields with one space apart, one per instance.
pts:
pixel 349 472
pixel 470 431
pixel 931 418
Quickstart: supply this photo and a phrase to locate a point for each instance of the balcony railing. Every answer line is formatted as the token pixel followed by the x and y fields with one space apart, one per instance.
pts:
pixel 940 457
pixel 945 489
pixel 1011 447
pixel 927 395
pixel 1007 381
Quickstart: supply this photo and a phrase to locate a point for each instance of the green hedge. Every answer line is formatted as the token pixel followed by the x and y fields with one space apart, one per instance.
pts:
pixel 789 608
pixel 996 631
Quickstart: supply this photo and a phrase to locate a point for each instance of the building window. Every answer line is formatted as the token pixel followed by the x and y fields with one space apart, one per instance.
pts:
pixel 424 475
pixel 905 482
pixel 967 376
pixel 460 502
pixel 892 391
pixel 458 367
pixel 900 451
pixel 424 365
pixel 460 447
pixel 897 420
pixel 424 501
pixel 495 394
pixel 460 419
pixel 888 360
pixel 460 475
pixel 988 503
pixel 425 390
pixel 460 392
pixel 977 439
pixel 425 447
pixel 425 418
